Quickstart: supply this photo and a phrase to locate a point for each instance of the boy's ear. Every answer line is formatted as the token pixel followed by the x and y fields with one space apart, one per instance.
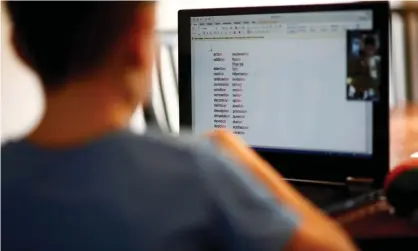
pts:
pixel 142 36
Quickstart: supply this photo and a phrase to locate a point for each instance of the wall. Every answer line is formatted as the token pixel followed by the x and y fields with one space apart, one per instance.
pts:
pixel 21 96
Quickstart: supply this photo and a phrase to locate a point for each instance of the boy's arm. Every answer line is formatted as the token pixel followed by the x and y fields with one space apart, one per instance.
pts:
pixel 257 209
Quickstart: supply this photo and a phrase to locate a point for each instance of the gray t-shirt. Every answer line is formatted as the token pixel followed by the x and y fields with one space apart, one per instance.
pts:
pixel 131 192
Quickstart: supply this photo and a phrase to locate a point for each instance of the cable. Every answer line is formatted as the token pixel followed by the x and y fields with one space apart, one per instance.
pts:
pixel 162 92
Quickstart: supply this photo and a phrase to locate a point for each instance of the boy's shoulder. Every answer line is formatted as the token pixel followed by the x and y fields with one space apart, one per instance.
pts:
pixel 151 146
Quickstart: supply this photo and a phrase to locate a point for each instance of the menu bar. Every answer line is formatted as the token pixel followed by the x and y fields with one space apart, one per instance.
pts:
pixel 244 30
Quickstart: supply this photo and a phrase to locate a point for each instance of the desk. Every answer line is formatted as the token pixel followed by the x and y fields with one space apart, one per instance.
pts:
pixel 382 225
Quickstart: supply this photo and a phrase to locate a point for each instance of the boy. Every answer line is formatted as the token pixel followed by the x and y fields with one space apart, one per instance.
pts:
pixel 82 181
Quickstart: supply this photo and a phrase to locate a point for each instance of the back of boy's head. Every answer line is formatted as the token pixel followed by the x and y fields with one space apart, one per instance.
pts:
pixel 62 40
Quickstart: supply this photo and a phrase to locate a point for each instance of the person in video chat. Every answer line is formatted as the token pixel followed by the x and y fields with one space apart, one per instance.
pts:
pixel 82 181
pixel 364 71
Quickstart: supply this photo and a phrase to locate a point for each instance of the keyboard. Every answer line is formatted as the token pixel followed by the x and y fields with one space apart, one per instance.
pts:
pixel 322 195
pixel 337 199
pixel 350 204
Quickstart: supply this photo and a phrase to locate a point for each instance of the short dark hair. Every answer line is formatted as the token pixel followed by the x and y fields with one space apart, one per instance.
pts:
pixel 65 39
pixel 370 41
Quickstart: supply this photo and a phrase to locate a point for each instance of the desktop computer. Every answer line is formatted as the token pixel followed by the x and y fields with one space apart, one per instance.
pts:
pixel 305 86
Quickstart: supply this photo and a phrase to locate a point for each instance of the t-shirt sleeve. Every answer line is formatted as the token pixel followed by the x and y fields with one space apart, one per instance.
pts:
pixel 245 214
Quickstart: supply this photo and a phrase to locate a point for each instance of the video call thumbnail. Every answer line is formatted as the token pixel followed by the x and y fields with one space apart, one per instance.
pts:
pixel 363 66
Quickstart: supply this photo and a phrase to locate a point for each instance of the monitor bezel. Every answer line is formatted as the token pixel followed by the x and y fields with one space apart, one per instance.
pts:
pixel 295 166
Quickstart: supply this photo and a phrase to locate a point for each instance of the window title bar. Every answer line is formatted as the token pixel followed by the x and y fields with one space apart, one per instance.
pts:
pixel 328 16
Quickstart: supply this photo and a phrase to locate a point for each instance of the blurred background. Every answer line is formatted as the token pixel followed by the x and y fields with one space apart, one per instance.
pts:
pixel 22 100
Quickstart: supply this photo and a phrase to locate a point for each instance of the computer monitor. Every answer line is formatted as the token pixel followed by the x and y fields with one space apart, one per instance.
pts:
pixel 302 85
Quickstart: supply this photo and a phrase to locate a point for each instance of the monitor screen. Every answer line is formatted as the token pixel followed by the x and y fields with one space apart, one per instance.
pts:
pixel 298 82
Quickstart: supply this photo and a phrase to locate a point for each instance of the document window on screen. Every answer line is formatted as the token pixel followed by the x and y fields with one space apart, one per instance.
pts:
pixel 290 82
